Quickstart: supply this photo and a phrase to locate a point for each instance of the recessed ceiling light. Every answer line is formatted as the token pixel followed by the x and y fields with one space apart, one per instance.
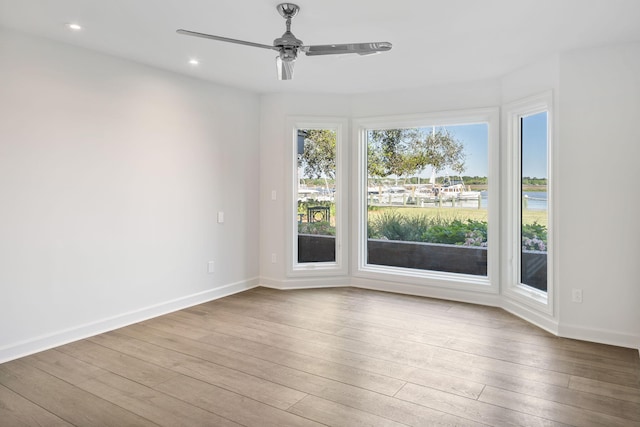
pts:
pixel 74 27
pixel 194 61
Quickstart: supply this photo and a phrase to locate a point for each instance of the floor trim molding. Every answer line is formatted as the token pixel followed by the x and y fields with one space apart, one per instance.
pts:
pixel 45 342
pixel 601 336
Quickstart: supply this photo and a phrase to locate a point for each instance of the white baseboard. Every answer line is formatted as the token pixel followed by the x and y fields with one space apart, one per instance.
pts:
pixel 532 316
pixel 427 291
pixel 45 342
pixel 305 283
pixel 601 336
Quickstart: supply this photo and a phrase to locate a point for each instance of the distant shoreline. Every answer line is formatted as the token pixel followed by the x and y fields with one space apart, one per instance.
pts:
pixel 532 188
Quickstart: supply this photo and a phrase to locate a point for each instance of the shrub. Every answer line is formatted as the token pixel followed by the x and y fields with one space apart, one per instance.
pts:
pixel 534 237
pixel 392 225
pixel 458 232
pixel 322 228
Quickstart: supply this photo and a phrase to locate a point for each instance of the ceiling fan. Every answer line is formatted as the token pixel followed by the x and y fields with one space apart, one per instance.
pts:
pixel 288 45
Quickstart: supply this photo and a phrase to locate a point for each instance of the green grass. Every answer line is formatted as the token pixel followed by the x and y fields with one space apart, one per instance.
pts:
pixel 463 214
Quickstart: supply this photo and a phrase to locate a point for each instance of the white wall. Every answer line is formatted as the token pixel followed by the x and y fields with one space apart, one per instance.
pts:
pixel 599 171
pixel 111 174
pixel 531 80
pixel 461 96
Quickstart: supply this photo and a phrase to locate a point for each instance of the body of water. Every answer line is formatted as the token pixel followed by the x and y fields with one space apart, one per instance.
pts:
pixel 536 200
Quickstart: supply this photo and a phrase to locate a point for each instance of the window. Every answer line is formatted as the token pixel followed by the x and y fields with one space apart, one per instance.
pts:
pixel 529 181
pixel 317 197
pixel 426 205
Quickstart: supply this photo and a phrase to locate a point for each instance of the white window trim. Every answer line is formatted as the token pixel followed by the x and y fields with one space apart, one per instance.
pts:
pixel 512 113
pixel 488 284
pixel 316 269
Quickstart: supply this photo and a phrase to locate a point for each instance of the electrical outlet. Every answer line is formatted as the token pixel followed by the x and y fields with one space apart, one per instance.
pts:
pixel 274 258
pixel 220 217
pixel 211 267
pixel 576 295
pixel 274 195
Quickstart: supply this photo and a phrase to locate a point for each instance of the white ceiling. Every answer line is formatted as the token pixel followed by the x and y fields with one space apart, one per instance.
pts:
pixel 434 41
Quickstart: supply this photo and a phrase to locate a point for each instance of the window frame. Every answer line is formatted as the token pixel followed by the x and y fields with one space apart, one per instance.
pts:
pixel 314 269
pixel 426 278
pixel 513 288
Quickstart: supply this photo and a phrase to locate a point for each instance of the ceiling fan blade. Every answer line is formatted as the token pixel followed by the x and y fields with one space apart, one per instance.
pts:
pixel 225 39
pixel 285 69
pixel 339 49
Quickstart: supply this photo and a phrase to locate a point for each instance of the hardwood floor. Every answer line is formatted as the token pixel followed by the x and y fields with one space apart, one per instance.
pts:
pixel 338 357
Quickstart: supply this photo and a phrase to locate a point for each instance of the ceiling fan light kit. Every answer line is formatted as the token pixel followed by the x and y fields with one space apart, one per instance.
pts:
pixel 288 45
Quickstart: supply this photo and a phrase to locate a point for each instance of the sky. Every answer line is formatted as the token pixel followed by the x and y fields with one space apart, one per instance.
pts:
pixel 475 138
pixel 534 145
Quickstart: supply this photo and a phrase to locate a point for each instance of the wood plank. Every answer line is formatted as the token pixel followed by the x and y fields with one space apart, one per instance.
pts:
pixel 624 375
pixel 535 336
pixel 16 411
pixel 230 405
pixel 346 366
pixel 429 377
pixel 118 363
pixel 548 357
pixel 151 404
pixel 335 414
pixel 64 366
pixel 604 388
pixel 470 409
pixel 476 326
pixel 579 399
pixel 408 354
pixel 378 308
pixel 200 365
pixel 534 361
pixel 392 408
pixel 128 394
pixel 350 374
pixel 261 366
pixel 356 397
pixel 551 410
pixel 64 400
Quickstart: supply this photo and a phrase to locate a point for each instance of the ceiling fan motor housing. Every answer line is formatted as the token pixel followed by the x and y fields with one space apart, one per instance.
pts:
pixel 288 53
pixel 288 44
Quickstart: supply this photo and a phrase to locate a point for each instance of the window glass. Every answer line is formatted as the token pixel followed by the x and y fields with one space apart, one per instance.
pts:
pixel 316 213
pixel 427 198
pixel 534 200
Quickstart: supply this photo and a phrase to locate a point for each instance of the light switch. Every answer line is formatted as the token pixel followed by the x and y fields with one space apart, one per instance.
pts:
pixel 220 217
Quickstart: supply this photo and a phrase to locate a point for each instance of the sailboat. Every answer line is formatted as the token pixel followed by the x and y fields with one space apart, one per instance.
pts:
pixel 455 189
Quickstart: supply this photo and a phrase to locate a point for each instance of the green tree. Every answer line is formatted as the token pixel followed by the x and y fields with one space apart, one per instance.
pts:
pixel 403 152
pixel 318 158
